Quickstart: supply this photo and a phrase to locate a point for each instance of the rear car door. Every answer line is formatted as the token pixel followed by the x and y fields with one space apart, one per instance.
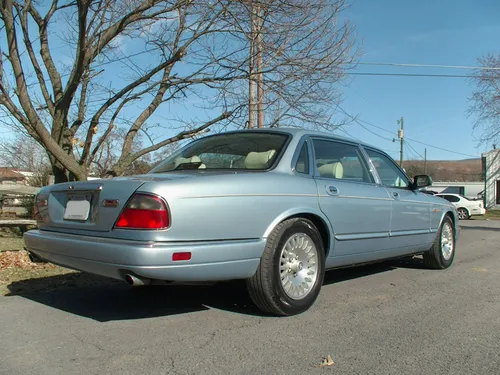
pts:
pixel 411 211
pixel 358 209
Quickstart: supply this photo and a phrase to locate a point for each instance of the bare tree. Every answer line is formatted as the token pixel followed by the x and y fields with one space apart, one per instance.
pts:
pixel 25 154
pixel 485 101
pixel 73 72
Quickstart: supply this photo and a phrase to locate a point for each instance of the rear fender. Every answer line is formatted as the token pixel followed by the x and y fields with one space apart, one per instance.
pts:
pixel 298 211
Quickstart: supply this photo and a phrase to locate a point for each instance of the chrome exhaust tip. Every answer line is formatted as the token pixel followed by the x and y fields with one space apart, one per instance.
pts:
pixel 136 281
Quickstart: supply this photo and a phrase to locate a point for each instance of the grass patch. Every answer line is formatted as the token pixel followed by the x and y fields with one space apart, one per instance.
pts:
pixel 490 215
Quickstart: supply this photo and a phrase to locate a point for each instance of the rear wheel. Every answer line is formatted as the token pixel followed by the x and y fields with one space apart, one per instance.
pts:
pixel 291 271
pixel 463 214
pixel 442 253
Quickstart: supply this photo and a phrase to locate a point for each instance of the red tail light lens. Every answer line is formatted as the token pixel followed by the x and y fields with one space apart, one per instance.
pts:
pixel 144 212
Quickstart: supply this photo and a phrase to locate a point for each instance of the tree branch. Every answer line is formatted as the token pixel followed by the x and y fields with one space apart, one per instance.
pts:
pixel 29 47
pixel 55 78
pixel 126 160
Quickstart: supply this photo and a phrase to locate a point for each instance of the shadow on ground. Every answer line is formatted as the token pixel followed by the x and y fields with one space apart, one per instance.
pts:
pixel 491 229
pixel 105 299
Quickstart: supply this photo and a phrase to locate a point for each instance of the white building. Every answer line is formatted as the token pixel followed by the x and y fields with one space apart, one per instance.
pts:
pixel 491 172
pixel 469 189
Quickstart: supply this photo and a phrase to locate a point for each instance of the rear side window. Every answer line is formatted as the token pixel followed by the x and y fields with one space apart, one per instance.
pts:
pixel 302 165
pixel 454 190
pixel 340 161
pixel 450 198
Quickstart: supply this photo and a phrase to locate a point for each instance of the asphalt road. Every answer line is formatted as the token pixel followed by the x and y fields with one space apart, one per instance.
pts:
pixel 394 318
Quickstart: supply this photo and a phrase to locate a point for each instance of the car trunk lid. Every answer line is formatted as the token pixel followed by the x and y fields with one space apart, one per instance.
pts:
pixel 90 205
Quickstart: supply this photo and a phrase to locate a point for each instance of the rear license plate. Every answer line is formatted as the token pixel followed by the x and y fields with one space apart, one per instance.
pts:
pixel 77 208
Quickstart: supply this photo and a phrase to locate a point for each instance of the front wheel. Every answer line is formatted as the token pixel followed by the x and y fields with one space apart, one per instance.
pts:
pixel 442 252
pixel 291 271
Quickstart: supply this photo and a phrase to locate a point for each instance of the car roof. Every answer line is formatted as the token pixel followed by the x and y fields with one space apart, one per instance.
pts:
pixel 299 132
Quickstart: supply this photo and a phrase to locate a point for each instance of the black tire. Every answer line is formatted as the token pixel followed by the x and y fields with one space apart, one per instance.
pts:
pixel 434 258
pixel 466 215
pixel 265 287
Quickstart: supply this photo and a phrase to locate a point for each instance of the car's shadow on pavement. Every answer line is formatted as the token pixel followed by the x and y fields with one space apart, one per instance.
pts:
pixel 105 300
pixel 483 228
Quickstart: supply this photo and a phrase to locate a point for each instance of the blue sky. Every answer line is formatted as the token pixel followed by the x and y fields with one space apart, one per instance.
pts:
pixel 444 32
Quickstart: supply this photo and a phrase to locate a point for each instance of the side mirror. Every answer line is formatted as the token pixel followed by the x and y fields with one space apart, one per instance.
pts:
pixel 422 181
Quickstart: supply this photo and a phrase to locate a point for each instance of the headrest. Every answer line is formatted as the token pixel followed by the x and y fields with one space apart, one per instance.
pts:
pixel 332 170
pixel 193 159
pixel 259 160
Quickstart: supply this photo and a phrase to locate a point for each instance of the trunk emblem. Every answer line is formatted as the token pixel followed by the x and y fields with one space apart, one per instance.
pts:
pixel 110 203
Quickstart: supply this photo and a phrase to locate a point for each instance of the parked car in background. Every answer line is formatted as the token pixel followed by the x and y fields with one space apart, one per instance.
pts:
pixel 276 207
pixel 466 207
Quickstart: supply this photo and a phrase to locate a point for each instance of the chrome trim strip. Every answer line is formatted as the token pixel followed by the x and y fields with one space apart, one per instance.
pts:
pixel 247 195
pixel 400 233
pixel 356 197
pixel 361 236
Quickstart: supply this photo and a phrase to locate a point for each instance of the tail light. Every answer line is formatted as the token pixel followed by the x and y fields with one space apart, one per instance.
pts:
pixel 38 206
pixel 144 211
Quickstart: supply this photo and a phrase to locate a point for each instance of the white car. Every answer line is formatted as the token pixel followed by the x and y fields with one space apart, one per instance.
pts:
pixel 465 206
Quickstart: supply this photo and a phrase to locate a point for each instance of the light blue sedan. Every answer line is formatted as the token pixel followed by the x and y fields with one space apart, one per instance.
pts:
pixel 276 207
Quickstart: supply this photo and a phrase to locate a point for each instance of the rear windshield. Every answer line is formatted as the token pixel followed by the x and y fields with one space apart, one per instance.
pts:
pixel 242 150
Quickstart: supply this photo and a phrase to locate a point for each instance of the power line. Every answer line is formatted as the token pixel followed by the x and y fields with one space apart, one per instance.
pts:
pixel 378 135
pixel 413 150
pixel 413 75
pixel 414 140
pixel 376 126
pixel 442 149
pixel 432 66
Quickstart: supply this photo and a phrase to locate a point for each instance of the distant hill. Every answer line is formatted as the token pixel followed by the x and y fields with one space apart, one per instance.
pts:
pixel 447 170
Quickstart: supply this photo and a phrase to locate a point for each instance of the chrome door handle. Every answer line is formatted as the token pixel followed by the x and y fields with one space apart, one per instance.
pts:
pixel 332 190
pixel 395 194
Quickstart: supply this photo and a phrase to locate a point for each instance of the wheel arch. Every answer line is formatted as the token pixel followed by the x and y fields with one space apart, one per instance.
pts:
pixel 321 223
pixel 454 219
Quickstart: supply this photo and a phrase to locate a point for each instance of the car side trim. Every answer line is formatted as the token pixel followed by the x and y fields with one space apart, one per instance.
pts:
pixel 356 197
pixel 361 236
pixel 247 195
pixel 409 232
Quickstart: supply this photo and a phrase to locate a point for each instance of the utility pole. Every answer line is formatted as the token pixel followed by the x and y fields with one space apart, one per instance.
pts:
pixel 425 161
pixel 260 75
pixel 401 140
pixel 251 69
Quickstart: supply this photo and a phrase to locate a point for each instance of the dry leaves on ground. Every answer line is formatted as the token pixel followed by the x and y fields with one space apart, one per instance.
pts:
pixel 328 361
pixel 18 259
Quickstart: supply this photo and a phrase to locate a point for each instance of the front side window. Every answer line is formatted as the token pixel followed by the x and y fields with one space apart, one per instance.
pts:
pixel 340 161
pixel 241 150
pixel 388 171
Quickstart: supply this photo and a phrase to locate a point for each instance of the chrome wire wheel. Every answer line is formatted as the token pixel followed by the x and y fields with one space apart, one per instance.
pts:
pixel 447 241
pixel 298 266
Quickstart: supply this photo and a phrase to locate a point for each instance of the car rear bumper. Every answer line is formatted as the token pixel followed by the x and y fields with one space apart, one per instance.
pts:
pixel 210 261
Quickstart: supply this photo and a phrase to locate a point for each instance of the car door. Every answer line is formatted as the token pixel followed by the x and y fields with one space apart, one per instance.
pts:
pixel 411 211
pixel 359 210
